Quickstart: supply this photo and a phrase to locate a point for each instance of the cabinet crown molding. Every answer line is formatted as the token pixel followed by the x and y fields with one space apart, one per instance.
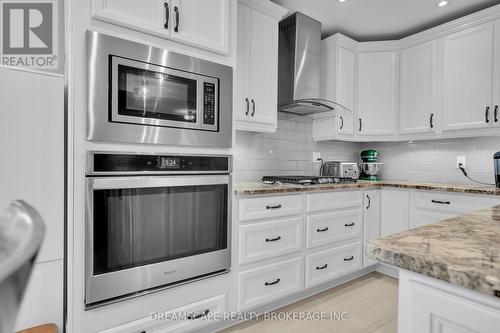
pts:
pixel 266 7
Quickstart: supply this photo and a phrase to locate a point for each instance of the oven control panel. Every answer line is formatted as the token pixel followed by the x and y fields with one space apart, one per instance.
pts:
pixel 208 103
pixel 113 163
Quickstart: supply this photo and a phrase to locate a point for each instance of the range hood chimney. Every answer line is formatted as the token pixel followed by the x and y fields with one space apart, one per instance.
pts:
pixel 299 67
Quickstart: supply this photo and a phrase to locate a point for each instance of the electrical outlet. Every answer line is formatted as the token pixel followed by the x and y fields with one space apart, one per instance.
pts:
pixel 316 156
pixel 460 161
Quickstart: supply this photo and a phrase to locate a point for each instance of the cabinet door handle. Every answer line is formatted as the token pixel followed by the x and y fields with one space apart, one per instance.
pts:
pixel 341 123
pixel 349 259
pixel 273 207
pixel 322 267
pixel 487 114
pixel 199 315
pixel 167 15
pixel 248 106
pixel 349 225
pixel 273 239
pixel 369 202
pixel 496 114
pixel 360 125
pixel 441 202
pixel 177 19
pixel 271 283
pixel 431 120
pixel 322 230
pixel 253 107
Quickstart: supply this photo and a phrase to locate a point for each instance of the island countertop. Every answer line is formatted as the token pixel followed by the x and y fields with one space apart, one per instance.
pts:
pixel 464 250
pixel 259 188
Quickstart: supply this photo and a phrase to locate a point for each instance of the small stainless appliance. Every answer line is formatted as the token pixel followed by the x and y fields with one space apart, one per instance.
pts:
pixel 154 221
pixel 340 169
pixel 496 159
pixel 307 180
pixel 142 94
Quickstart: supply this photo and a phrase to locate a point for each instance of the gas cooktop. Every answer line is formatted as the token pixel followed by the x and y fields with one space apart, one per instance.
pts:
pixel 307 180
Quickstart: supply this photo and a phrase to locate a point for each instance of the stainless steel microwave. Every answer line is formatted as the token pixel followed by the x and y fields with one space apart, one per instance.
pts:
pixel 142 94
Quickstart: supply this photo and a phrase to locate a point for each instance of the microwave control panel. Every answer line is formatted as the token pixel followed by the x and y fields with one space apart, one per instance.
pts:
pixel 208 103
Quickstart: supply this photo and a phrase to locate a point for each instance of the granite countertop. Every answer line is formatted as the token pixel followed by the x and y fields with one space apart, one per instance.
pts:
pixel 259 188
pixel 464 251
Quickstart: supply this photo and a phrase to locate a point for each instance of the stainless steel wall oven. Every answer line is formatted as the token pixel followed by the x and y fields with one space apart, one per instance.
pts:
pixel 154 221
pixel 142 94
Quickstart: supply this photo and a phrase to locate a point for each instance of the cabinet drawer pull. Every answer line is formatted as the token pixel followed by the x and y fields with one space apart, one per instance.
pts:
pixel 487 114
pixel 349 259
pixel 349 225
pixel 322 267
pixel 253 107
pixel 273 207
pixel 441 202
pixel 273 239
pixel 248 106
pixel 271 283
pixel 496 114
pixel 167 15
pixel 322 230
pixel 369 201
pixel 431 120
pixel 360 125
pixel 199 315
pixel 341 123
pixel 176 10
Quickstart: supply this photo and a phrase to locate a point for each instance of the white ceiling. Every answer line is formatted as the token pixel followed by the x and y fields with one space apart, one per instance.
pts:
pixel 368 20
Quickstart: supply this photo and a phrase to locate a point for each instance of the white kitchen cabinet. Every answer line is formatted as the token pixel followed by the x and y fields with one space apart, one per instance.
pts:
pixel 256 98
pixel 200 23
pixel 496 82
pixel 394 211
pixel 376 97
pixel 371 223
pixel 338 84
pixel 331 227
pixel 467 78
pixel 326 265
pixel 428 305
pixel 418 87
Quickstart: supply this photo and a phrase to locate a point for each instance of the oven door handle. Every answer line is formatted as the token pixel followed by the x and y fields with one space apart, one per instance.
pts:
pixel 109 183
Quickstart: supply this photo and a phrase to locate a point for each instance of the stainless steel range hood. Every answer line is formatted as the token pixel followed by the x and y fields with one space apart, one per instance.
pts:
pixel 299 67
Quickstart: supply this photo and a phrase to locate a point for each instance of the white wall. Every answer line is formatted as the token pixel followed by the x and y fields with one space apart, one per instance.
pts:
pixel 286 152
pixel 435 161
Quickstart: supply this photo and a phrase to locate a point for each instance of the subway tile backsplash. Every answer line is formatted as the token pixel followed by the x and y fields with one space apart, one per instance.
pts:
pixel 288 151
pixel 435 161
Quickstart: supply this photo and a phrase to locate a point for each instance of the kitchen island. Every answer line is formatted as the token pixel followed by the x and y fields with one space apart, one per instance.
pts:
pixel 449 273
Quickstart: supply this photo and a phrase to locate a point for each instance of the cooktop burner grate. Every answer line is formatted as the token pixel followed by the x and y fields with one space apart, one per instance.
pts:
pixel 307 180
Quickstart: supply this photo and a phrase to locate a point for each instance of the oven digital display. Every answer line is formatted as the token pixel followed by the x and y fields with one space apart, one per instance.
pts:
pixel 170 163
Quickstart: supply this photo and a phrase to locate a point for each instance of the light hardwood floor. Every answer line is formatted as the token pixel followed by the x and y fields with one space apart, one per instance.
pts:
pixel 371 302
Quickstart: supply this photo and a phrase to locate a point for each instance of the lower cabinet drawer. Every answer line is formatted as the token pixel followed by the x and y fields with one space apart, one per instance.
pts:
pixel 269 239
pixel 333 227
pixel 264 284
pixel 182 319
pixel 329 264
pixel 453 202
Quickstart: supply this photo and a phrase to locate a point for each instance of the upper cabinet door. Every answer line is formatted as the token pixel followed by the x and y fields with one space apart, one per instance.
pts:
pixel 418 89
pixel 345 87
pixel 201 23
pixel 496 83
pixel 377 77
pixel 467 78
pixel 242 70
pixel 150 16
